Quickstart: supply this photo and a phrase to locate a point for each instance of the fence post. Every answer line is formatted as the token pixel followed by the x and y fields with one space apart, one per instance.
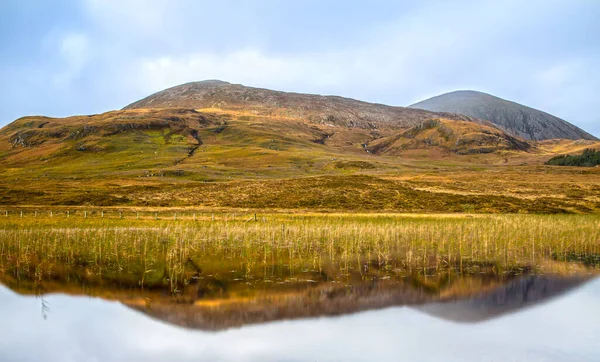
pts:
pixel 255 217
pixel 213 217
pixel 137 215
pixel 51 213
pixel 35 213
pixel 102 213
pixel 68 214
pixel 156 216
pixel 175 216
pixel 85 214
pixel 21 213
pixel 120 214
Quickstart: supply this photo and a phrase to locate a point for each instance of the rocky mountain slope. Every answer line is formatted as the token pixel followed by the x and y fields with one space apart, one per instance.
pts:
pixel 520 120
pixel 317 109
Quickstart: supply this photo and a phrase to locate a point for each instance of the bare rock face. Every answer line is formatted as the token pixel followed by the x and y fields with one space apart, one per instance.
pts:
pixel 515 118
pixel 315 108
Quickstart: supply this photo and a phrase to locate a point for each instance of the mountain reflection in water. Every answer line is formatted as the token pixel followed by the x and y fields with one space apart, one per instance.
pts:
pixel 407 318
pixel 448 295
pixel 469 305
pixel 510 297
pixel 79 328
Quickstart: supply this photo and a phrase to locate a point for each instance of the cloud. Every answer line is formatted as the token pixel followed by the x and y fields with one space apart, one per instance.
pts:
pixel 410 52
pixel 414 56
pixel 536 53
pixel 75 52
pixel 249 66
pixel 136 16
pixel 561 74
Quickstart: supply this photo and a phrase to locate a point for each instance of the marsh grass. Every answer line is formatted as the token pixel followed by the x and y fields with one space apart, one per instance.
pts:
pixel 234 252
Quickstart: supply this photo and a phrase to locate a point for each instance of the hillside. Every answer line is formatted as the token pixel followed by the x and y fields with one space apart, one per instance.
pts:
pixel 239 147
pixel 520 120
pixel 215 130
pixel 458 137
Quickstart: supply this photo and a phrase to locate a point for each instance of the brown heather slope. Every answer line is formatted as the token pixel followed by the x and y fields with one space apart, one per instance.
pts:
pixel 216 144
pixel 460 137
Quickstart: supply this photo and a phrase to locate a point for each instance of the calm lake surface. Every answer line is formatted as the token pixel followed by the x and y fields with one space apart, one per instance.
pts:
pixel 527 318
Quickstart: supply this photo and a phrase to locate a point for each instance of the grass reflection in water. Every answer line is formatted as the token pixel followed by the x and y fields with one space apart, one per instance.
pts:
pixel 227 272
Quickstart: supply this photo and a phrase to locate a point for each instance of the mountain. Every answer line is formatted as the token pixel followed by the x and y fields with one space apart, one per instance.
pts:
pixel 520 120
pixel 317 109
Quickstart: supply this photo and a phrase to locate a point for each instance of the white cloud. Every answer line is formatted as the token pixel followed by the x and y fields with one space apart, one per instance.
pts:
pixel 522 51
pixel 74 50
pixel 249 66
pixel 415 54
pixel 561 74
pixel 145 16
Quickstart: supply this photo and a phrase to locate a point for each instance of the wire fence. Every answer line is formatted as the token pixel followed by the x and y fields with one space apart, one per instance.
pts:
pixel 131 215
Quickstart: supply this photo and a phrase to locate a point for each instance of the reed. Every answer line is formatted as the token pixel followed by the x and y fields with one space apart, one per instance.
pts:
pixel 149 251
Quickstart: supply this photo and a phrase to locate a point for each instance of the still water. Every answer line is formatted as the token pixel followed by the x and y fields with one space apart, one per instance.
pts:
pixel 526 318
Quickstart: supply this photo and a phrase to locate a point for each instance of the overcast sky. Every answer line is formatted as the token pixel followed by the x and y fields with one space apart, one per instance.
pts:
pixel 67 57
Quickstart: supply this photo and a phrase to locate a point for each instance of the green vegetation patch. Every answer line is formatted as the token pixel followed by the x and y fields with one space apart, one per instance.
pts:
pixel 361 165
pixel 589 158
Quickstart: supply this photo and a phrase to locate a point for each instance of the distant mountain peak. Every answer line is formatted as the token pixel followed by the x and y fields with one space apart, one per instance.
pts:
pixel 513 117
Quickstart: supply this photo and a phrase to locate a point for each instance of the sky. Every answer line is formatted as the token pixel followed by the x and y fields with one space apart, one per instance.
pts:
pixel 68 57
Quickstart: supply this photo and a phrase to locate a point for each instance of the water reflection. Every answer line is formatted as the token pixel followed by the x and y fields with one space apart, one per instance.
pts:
pixel 471 301
pixel 223 298
pixel 80 328
pixel 510 297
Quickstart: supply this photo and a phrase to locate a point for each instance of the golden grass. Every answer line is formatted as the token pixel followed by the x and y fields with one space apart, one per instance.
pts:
pixel 282 247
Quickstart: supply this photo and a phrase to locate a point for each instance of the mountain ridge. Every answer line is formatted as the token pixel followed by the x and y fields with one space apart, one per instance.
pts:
pixel 315 108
